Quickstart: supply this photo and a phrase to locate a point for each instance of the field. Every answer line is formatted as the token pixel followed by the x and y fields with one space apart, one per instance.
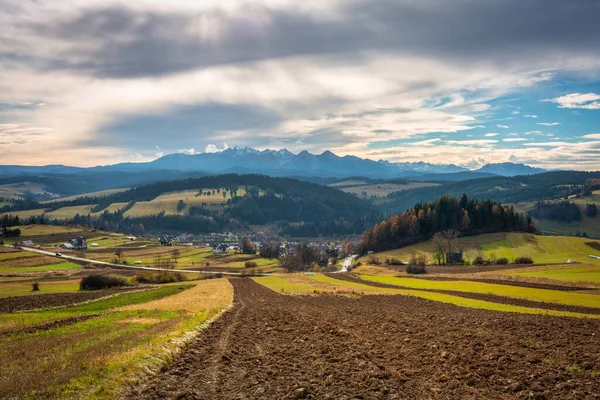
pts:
pixel 69 212
pixel 279 346
pixel 18 190
pixel 168 202
pixel 456 332
pixel 542 249
pixel 383 189
pixel 591 226
pixel 91 194
pixel 94 350
pixel 566 273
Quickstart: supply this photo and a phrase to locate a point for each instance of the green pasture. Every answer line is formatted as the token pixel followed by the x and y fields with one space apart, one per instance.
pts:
pixel 565 273
pixel 41 268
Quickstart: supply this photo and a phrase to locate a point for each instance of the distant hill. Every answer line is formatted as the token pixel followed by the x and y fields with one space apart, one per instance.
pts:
pixel 545 186
pixel 510 169
pixel 209 204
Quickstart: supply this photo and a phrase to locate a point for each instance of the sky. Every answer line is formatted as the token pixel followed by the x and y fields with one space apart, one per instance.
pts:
pixel 466 82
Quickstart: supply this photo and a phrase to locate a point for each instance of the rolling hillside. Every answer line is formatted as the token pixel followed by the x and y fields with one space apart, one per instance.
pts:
pixel 588 225
pixel 542 249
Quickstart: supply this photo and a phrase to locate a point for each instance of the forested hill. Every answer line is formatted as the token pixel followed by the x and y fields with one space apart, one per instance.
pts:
pixel 247 199
pixel 546 186
pixel 468 217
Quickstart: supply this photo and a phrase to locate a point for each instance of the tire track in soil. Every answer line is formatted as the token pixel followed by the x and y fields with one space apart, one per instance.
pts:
pixel 273 346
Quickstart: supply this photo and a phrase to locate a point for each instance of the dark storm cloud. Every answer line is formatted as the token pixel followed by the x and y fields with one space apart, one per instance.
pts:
pixel 121 42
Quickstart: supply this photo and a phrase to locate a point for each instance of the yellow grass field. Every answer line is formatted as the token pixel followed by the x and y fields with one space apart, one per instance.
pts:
pixel 69 212
pixel 25 214
pixel 300 284
pixel 44 230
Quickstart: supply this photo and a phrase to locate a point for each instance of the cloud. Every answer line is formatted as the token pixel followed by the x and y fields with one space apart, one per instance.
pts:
pixel 503 126
pixel 514 139
pixel 191 151
pixel 592 136
pixel 530 116
pixel 212 148
pixel 548 123
pixel 159 153
pixel 491 134
pixel 588 101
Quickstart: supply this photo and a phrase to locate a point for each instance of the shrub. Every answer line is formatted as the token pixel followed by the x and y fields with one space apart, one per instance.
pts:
pixel 97 282
pixel 393 261
pixel 372 260
pixel 161 277
pixel 502 261
pixel 415 269
pixel 478 260
pixel 35 287
pixel 250 264
pixel 523 260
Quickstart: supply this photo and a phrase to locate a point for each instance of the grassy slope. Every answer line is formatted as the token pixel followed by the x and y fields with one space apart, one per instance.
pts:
pixel 6 269
pixel 566 273
pixel 591 226
pixel 543 249
pixel 383 189
pixel 24 288
pixel 69 212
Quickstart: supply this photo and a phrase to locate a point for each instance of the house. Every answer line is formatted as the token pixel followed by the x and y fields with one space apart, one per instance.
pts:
pixel 28 243
pixel 220 248
pixel 165 241
pixel 75 244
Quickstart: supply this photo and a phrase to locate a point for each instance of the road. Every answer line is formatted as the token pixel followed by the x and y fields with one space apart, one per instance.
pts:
pixel 114 265
pixel 347 264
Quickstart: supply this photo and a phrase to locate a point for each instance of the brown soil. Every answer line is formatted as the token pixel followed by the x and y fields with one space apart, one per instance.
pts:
pixel 36 301
pixel 594 245
pixel 272 346
pixel 48 325
pixel 567 287
pixel 479 296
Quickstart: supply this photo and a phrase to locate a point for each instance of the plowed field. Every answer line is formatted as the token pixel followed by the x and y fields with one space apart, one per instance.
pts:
pixel 273 346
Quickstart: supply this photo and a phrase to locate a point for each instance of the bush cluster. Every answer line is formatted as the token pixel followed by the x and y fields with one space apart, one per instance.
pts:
pixel 523 260
pixel 393 261
pixel 372 260
pixel 415 269
pixel 161 277
pixel 97 282
pixel 250 264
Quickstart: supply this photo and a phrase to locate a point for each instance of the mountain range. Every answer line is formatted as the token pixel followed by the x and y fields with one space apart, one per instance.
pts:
pixel 285 163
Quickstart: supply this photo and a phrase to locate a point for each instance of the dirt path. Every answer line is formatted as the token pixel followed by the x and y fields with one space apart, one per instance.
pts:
pixel 271 346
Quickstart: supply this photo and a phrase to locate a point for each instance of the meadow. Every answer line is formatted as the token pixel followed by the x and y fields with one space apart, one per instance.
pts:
pixel 96 349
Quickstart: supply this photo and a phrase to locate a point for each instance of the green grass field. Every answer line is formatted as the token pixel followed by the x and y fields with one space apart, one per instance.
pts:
pixel 42 268
pixel 565 273
pixel 591 226
pixel 113 342
pixel 11 289
pixel 517 292
pixel 25 214
pixel 543 249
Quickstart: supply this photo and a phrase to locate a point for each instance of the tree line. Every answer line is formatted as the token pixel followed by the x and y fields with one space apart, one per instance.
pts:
pixel 463 215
